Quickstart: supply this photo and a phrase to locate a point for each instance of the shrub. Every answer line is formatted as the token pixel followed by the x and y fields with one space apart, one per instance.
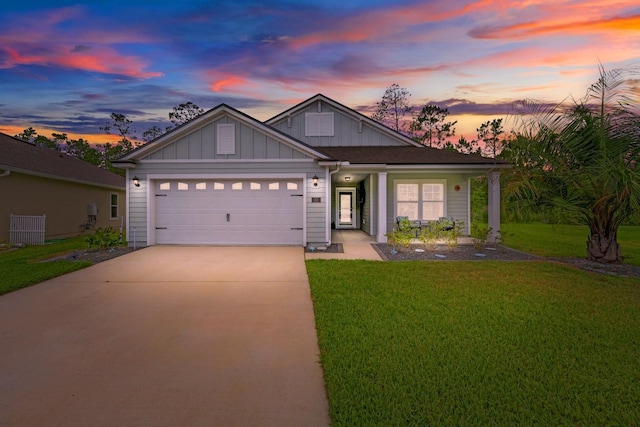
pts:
pixel 103 238
pixel 479 234
pixel 402 235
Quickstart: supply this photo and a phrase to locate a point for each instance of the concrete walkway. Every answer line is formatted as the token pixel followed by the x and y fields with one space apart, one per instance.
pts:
pixel 165 336
pixel 356 244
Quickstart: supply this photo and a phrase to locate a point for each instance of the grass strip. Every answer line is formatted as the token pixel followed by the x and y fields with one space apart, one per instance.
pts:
pixel 20 268
pixel 565 240
pixel 423 343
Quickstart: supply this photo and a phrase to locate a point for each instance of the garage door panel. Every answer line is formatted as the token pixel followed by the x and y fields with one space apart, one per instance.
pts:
pixel 220 214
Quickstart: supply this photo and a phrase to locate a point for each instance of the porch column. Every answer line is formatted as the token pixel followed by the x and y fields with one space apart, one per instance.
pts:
pixel 382 207
pixel 493 205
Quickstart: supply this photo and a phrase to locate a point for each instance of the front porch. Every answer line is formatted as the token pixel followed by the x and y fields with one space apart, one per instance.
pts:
pixel 370 201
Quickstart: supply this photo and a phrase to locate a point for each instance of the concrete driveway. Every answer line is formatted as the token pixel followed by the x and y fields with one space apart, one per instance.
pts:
pixel 165 336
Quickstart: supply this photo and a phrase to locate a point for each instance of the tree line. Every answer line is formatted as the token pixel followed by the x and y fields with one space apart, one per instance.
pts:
pixel 103 154
pixel 429 126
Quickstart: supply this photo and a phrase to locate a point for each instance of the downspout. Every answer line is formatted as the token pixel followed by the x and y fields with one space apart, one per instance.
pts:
pixel 7 172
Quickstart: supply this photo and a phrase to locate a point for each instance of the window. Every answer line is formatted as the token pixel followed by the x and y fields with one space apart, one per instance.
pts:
pixel 183 186
pixel 255 186
pixel 165 186
pixel 114 206
pixel 292 186
pixel 236 186
pixel 318 124
pixel 218 186
pixel 201 186
pixel 274 186
pixel 422 200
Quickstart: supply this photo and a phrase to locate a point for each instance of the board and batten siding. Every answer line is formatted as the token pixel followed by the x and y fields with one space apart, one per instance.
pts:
pixel 200 144
pixel 138 209
pixel 349 130
pixel 456 201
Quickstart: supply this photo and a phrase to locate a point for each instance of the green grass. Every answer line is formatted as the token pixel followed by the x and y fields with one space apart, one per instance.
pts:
pixel 457 343
pixel 566 240
pixel 21 267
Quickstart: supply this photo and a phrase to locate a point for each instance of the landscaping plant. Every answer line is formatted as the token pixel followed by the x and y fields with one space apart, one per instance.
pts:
pixel 103 238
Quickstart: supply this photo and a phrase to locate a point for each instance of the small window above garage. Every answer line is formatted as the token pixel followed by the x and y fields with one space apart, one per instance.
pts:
pixel 318 124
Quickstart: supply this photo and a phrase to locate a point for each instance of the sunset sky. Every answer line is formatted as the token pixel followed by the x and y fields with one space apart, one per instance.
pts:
pixel 65 66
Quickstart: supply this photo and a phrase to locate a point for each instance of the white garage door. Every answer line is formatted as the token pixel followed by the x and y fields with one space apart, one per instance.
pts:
pixel 262 212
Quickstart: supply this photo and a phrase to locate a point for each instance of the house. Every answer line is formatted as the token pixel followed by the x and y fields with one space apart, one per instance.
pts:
pixel 74 195
pixel 226 178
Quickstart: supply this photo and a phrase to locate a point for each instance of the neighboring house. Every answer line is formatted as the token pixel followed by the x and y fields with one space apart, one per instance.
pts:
pixel 74 195
pixel 227 178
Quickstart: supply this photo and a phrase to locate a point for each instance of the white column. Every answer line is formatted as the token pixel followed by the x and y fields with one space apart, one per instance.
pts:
pixel 493 205
pixel 382 207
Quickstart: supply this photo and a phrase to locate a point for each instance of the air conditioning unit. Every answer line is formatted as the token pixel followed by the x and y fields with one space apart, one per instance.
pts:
pixel 92 209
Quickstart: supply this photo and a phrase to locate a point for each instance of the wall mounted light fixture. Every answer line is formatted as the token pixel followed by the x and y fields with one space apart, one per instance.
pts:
pixel 347 178
pixel 136 181
pixel 315 180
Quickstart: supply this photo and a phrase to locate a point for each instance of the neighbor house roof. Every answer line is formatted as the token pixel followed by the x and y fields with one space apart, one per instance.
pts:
pixel 24 157
pixel 398 155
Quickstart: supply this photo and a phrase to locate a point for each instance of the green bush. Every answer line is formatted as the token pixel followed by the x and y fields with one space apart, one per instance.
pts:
pixel 402 235
pixel 479 234
pixel 103 238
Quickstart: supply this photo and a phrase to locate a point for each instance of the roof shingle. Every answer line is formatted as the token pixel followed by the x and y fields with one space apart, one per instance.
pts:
pixel 397 155
pixel 18 154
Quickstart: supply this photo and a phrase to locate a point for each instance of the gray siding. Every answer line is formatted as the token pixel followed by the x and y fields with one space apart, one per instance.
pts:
pixel 346 130
pixel 138 209
pixel 457 201
pixel 200 144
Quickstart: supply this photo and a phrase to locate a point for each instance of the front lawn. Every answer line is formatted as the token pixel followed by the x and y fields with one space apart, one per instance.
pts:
pixel 565 240
pixel 21 267
pixel 468 343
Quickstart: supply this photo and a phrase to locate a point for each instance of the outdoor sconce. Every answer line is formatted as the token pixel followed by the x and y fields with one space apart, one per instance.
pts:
pixel 347 178
pixel 315 180
pixel 136 181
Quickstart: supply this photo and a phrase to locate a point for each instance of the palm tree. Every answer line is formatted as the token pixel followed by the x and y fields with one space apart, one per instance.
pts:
pixel 581 162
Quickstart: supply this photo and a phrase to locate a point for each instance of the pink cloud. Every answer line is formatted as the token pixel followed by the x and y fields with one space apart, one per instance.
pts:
pixel 49 46
pixel 101 60
pixel 381 23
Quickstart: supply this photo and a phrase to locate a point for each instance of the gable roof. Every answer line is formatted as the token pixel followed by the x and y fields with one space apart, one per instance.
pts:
pixel 207 117
pixel 24 157
pixel 397 155
pixel 346 110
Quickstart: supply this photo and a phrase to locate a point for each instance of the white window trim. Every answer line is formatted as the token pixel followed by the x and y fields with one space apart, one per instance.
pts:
pixel 117 205
pixel 420 182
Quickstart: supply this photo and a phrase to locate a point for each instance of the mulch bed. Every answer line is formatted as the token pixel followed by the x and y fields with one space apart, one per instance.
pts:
pixel 94 256
pixel 495 253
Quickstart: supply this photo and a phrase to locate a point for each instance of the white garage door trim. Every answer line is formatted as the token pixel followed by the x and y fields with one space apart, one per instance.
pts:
pixel 152 178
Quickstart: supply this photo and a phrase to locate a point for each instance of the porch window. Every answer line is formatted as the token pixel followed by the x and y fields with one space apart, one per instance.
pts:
pixel 420 200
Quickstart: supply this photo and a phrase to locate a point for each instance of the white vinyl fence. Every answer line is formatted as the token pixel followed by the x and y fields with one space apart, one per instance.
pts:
pixel 26 229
